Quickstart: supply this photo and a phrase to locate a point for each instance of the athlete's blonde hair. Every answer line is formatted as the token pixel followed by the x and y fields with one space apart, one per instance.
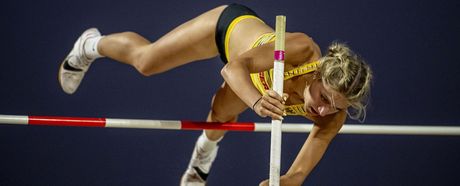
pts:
pixel 343 71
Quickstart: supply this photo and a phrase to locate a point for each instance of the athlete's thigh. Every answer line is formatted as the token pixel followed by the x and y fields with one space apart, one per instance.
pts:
pixel 193 40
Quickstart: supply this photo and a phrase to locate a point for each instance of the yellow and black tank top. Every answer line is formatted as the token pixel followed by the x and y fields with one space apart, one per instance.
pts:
pixel 263 80
pixel 229 18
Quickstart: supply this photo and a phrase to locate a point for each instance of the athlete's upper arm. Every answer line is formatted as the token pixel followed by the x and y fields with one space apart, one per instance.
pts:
pixel 301 48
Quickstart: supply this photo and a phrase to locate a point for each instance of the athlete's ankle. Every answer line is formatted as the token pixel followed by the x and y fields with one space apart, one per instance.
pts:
pixel 205 144
pixel 90 48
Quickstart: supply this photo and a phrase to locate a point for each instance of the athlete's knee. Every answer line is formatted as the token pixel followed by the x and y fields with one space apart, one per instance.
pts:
pixel 145 62
pixel 142 68
pixel 139 64
pixel 219 115
pixel 137 52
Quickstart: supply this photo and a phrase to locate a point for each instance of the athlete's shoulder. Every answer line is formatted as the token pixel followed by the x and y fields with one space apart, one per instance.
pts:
pixel 300 48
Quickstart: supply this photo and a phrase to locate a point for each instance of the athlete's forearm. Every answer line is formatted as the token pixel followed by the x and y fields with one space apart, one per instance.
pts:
pixel 237 77
pixel 309 156
pixel 315 147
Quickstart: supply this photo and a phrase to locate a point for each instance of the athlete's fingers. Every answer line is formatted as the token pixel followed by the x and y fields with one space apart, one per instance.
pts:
pixel 275 95
pixel 272 105
pixel 271 114
pixel 274 99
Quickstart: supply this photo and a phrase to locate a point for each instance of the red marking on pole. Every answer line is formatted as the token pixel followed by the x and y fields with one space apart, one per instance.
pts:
pixel 279 55
pixel 66 121
pixel 242 126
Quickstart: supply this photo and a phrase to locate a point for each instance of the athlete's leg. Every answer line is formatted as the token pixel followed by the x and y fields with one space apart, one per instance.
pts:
pixel 226 106
pixel 191 41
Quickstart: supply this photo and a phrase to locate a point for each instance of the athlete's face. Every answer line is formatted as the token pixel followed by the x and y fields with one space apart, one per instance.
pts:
pixel 321 100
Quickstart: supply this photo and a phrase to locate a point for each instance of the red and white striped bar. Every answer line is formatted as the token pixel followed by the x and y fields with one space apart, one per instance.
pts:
pixel 374 129
pixel 123 123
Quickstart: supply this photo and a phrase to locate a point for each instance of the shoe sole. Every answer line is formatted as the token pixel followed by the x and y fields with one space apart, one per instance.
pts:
pixel 59 76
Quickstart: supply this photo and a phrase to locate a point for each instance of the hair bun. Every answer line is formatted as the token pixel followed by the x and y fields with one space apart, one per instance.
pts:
pixel 339 50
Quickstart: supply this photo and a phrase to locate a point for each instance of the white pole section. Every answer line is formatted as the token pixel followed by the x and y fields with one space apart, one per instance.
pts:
pixel 278 78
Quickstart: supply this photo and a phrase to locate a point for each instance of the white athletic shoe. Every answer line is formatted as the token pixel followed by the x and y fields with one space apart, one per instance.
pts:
pixel 75 65
pixel 199 167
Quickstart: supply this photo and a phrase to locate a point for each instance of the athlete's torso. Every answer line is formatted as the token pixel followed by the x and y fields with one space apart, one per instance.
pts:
pixel 293 76
pixel 250 33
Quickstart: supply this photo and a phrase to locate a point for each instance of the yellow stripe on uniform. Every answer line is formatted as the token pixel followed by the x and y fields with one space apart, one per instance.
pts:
pixel 230 29
pixel 301 70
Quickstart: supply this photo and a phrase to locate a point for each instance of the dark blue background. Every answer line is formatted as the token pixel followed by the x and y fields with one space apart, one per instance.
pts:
pixel 412 46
